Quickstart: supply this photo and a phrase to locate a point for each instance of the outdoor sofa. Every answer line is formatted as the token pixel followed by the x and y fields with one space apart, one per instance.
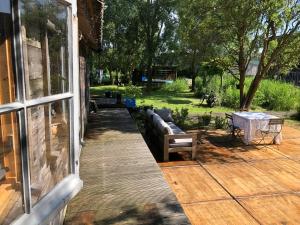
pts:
pixel 161 127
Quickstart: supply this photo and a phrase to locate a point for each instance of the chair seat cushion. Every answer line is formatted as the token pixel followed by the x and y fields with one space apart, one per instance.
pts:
pixel 182 143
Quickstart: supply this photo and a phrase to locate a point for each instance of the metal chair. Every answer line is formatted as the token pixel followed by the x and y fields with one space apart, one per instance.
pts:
pixel 234 130
pixel 274 128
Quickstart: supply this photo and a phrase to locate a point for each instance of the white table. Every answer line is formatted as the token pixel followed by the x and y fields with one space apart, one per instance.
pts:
pixel 250 122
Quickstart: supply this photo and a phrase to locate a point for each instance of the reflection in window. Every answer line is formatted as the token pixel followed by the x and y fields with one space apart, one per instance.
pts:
pixel 45 41
pixel 10 169
pixel 49 134
pixel 7 92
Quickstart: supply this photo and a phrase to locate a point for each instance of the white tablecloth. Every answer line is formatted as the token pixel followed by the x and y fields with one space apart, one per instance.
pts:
pixel 250 122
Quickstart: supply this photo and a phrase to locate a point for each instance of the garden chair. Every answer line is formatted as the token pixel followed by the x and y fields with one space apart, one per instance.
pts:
pixel 233 129
pixel 273 128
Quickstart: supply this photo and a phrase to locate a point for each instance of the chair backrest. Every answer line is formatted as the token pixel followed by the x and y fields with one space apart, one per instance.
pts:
pixel 228 116
pixel 276 121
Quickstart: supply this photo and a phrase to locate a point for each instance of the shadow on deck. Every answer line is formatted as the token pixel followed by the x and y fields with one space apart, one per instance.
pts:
pixel 122 182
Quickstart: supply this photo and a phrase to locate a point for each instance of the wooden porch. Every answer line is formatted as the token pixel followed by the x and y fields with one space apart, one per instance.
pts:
pixel 122 182
pixel 231 183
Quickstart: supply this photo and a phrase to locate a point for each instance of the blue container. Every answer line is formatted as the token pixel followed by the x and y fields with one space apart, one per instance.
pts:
pixel 130 102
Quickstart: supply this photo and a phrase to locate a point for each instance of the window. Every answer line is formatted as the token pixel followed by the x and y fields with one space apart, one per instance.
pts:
pixel 10 169
pixel 44 26
pixel 7 88
pixel 36 103
pixel 45 47
pixel 11 197
pixel 49 141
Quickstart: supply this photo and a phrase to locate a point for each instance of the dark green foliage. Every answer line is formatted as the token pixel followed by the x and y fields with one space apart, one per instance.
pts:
pixel 180 116
pixel 132 91
pixel 204 120
pixel 220 122
pixel 298 113
pixel 271 95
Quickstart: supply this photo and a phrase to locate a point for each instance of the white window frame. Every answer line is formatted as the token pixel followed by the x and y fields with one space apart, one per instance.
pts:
pixel 70 185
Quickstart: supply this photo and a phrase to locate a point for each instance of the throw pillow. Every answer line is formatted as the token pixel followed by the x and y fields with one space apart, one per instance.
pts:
pixel 165 114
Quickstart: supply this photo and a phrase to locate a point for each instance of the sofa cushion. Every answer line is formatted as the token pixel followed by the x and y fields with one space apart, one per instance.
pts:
pixel 186 142
pixel 161 125
pixel 165 114
pixel 150 113
pixel 175 129
pixel 181 143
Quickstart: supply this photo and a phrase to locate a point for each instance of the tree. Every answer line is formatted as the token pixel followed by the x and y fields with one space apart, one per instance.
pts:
pixel 267 30
pixel 198 39
pixel 156 17
pixel 122 47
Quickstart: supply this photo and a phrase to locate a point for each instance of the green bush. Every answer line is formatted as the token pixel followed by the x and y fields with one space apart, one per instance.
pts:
pixel 204 120
pixel 276 95
pixel 180 116
pixel 220 122
pixel 179 85
pixel 213 84
pixel 132 91
pixel 231 97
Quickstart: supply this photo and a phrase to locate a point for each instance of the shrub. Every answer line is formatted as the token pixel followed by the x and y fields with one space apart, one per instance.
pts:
pixel 180 116
pixel 179 85
pixel 212 85
pixel 204 120
pixel 220 122
pixel 276 95
pixel 132 91
pixel 231 97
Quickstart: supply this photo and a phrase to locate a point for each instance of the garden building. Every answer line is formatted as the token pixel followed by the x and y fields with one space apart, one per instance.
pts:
pixel 43 104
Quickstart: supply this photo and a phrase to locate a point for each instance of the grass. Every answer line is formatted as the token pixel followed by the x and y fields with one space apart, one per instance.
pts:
pixel 160 99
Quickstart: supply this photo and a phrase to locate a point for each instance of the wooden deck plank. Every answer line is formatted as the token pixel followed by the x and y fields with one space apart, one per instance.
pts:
pixel 252 153
pixel 122 182
pixel 193 184
pixel 222 212
pixel 276 209
pixel 290 148
pixel 284 171
pixel 242 179
pixel 208 153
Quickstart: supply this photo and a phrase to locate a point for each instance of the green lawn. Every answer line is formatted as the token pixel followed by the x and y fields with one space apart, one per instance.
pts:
pixel 160 99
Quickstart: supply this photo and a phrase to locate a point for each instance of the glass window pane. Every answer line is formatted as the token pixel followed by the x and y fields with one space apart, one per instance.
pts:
pixel 49 145
pixel 45 47
pixel 10 169
pixel 7 89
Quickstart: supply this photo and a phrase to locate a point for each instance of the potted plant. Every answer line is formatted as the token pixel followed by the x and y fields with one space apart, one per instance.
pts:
pixel 131 93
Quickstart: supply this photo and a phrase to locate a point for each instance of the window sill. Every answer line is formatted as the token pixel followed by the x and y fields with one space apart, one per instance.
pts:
pixel 52 203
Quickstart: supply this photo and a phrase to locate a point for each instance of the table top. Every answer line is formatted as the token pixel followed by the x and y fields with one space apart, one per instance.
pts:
pixel 255 115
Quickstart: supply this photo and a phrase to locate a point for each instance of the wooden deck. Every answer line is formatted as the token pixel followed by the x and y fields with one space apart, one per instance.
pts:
pixel 231 183
pixel 122 182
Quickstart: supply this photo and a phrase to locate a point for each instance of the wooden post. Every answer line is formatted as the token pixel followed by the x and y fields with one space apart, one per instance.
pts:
pixel 166 148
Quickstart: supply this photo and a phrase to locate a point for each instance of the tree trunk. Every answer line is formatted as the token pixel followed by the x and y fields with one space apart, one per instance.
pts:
pixel 193 71
pixel 149 73
pixel 242 87
pixel 251 92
